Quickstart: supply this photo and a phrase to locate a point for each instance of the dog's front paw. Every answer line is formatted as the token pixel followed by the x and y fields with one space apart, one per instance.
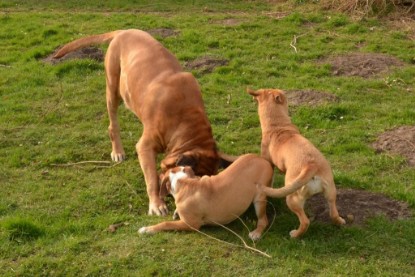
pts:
pixel 255 235
pixel 158 208
pixel 117 157
pixel 145 230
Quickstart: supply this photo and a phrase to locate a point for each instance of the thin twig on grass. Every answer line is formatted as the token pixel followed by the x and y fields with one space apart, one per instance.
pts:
pixel 114 227
pixel 246 227
pixel 108 166
pixel 88 162
pixel 269 226
pixel 243 241
pixel 231 244
pixel 131 187
pixel 273 219
pixel 294 41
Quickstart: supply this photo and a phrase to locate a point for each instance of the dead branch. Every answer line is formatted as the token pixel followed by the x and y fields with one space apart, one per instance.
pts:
pixel 294 41
pixel 88 162
pixel 231 244
pixel 243 241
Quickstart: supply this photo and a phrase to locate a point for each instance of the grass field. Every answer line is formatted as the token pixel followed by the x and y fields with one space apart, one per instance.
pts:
pixel 54 219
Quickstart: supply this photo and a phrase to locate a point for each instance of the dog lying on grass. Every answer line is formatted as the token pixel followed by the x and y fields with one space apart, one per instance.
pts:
pixel 306 170
pixel 168 101
pixel 219 199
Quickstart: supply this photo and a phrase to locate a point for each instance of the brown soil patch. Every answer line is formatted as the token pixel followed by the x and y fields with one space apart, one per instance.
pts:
pixel 357 206
pixel 228 22
pixel 276 15
pixel 85 53
pixel 309 97
pixel 163 32
pixel 400 141
pixel 362 64
pixel 205 64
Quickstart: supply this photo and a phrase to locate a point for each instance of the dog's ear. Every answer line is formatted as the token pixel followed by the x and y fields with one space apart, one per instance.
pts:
pixel 165 185
pixel 189 172
pixel 252 92
pixel 168 162
pixel 278 99
pixel 187 160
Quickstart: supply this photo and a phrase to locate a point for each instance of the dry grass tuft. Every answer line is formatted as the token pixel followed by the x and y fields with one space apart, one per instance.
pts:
pixel 371 7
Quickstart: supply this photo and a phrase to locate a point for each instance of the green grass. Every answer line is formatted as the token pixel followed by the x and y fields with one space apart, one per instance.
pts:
pixel 53 220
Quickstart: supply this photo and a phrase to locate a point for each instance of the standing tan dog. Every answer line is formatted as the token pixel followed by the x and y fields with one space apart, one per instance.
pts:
pixel 168 101
pixel 217 199
pixel 306 170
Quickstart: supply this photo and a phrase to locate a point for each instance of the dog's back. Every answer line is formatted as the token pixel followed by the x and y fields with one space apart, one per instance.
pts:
pixel 223 197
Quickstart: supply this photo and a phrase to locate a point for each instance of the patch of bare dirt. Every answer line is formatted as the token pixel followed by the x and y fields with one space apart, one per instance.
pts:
pixel 163 32
pixel 309 97
pixel 205 64
pixel 86 53
pixel 400 141
pixel 276 15
pixel 362 64
pixel 357 206
pixel 228 22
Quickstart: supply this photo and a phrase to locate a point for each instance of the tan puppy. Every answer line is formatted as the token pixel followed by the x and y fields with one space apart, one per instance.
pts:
pixel 168 101
pixel 306 170
pixel 218 199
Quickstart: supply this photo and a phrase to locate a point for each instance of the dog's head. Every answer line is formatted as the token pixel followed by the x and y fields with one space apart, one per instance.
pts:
pixel 171 176
pixel 270 100
pixel 202 162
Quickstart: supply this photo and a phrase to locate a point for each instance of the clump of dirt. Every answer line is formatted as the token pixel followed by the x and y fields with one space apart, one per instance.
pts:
pixel 85 53
pixel 205 64
pixel 357 206
pixel 163 32
pixel 362 64
pixel 309 97
pixel 400 141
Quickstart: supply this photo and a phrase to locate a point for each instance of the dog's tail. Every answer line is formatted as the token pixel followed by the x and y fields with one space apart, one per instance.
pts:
pixel 226 160
pixel 305 176
pixel 86 41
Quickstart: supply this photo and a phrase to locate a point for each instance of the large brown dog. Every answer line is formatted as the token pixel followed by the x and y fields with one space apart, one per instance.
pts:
pixel 217 199
pixel 306 170
pixel 168 101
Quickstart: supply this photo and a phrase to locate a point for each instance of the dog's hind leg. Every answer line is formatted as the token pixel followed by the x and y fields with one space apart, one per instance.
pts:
pixel 113 101
pixel 260 204
pixel 330 194
pixel 296 202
